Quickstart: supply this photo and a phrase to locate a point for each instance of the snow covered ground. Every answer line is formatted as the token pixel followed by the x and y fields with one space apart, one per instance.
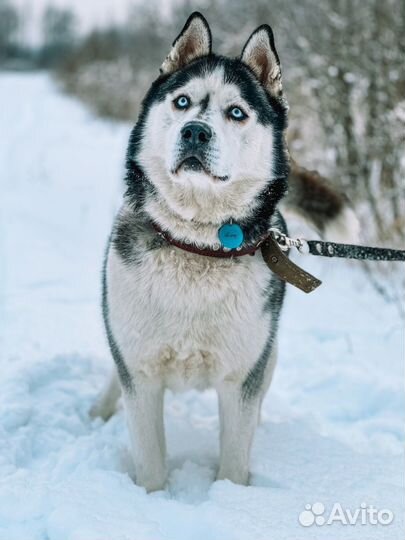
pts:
pixel 333 422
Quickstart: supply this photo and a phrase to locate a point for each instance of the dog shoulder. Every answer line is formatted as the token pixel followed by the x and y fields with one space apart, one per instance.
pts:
pixel 132 235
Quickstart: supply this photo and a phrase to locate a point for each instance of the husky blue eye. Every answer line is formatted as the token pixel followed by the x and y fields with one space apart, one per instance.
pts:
pixel 182 102
pixel 236 113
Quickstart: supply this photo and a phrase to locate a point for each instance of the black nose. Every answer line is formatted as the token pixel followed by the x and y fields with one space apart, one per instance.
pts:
pixel 196 133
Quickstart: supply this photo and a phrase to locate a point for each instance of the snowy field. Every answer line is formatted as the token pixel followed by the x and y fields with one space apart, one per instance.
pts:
pixel 333 423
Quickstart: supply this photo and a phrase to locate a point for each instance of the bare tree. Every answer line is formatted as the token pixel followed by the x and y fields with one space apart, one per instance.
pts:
pixel 59 34
pixel 9 25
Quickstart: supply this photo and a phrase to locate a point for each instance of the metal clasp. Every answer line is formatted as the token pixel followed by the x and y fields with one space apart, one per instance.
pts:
pixel 285 242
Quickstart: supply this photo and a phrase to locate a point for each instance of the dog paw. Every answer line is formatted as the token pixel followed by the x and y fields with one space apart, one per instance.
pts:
pixel 100 411
pixel 239 476
pixel 151 484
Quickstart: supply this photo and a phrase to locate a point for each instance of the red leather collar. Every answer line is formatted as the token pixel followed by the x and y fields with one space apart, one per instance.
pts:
pixel 210 252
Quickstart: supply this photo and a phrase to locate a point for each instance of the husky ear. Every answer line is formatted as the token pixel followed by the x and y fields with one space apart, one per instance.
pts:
pixel 193 42
pixel 261 56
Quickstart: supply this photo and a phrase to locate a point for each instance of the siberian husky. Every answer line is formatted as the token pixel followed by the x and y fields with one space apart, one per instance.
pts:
pixel 182 307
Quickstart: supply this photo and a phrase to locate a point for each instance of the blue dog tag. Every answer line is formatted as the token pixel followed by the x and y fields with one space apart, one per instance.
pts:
pixel 230 235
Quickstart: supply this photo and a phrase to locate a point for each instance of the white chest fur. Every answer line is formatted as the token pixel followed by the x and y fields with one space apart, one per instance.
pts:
pixel 188 319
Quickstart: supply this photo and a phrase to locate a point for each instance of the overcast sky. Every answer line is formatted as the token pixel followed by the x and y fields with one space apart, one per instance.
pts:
pixel 91 13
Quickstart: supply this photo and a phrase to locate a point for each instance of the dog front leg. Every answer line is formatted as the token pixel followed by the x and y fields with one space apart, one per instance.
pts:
pixel 238 421
pixel 144 413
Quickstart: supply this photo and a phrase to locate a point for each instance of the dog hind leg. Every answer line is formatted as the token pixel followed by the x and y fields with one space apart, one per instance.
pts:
pixel 106 404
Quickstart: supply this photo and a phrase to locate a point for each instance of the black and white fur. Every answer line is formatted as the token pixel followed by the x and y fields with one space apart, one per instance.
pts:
pixel 179 320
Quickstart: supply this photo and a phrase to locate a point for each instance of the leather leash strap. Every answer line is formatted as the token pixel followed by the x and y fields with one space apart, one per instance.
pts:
pixel 279 263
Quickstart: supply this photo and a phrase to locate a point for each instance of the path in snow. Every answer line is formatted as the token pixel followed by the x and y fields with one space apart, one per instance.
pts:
pixel 333 421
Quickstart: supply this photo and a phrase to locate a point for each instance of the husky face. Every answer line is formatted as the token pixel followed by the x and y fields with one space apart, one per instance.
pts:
pixel 207 133
pixel 210 135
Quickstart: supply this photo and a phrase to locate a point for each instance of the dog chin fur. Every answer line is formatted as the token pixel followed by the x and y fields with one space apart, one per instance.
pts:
pixel 196 197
